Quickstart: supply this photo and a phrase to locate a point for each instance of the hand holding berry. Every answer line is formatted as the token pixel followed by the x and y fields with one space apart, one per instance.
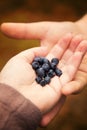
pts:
pixel 49 33
pixel 19 73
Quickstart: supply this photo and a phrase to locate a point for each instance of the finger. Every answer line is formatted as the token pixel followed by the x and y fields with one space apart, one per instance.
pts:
pixel 73 45
pixel 57 52
pixel 82 47
pixel 25 30
pixel 76 86
pixel 70 69
pixel 60 47
pixel 47 118
pixel 83 65
pixel 30 54
pixel 75 42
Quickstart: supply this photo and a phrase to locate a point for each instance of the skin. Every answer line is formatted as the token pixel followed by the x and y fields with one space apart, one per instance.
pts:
pixel 19 74
pixel 49 33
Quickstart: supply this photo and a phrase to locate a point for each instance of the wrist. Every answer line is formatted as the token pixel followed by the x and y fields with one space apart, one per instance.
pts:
pixel 82 23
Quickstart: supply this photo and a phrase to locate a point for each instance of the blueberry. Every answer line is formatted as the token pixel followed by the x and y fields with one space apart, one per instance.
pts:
pixel 46 67
pixel 42 82
pixel 37 59
pixel 35 65
pixel 58 72
pixel 51 73
pixel 38 79
pixel 44 60
pixel 41 60
pixel 53 65
pixel 55 60
pixel 40 72
pixel 47 79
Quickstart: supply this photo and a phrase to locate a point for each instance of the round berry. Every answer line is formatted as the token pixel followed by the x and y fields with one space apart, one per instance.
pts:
pixel 53 65
pixel 42 82
pixel 35 65
pixel 45 60
pixel 47 79
pixel 46 66
pixel 55 60
pixel 51 73
pixel 38 79
pixel 40 72
pixel 58 72
pixel 37 59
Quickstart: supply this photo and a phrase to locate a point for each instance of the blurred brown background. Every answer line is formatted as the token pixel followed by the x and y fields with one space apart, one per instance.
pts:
pixel 73 115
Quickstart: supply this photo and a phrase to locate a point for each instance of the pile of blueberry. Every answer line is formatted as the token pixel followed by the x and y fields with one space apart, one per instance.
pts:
pixel 45 70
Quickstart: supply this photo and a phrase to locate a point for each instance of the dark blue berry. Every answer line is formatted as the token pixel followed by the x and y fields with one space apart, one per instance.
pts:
pixel 42 82
pixel 47 79
pixel 37 59
pixel 44 60
pixel 51 73
pixel 46 67
pixel 55 60
pixel 53 65
pixel 58 72
pixel 38 79
pixel 35 65
pixel 40 72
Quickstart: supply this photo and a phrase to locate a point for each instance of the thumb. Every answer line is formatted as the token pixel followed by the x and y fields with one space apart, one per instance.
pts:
pixel 30 54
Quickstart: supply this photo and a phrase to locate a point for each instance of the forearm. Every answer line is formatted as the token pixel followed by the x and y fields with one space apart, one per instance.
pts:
pixel 82 24
pixel 16 112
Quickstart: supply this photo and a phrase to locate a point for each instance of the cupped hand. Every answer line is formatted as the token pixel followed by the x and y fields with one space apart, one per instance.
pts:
pixel 19 74
pixel 49 33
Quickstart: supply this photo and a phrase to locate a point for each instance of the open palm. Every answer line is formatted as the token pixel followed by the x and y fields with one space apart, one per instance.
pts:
pixel 48 33
pixel 18 71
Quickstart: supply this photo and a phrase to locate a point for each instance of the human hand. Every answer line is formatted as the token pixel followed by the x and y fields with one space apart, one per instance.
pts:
pixel 48 33
pixel 19 73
